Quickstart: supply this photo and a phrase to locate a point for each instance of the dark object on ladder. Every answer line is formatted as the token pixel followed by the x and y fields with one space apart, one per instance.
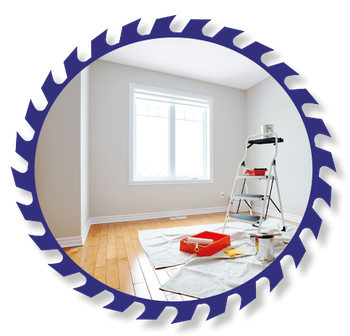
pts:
pixel 263 141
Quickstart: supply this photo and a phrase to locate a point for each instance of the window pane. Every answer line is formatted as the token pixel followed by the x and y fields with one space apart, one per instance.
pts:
pixel 198 117
pixel 180 114
pixel 153 111
pixel 163 112
pixel 152 146
pixel 189 146
pixel 189 115
pixel 141 108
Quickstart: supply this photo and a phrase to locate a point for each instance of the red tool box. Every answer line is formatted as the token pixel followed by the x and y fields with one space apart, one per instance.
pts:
pixel 220 241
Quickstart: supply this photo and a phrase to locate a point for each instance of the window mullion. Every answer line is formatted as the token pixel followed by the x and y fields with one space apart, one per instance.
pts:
pixel 205 143
pixel 172 140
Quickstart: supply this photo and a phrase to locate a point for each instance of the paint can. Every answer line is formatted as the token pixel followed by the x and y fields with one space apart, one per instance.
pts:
pixel 267 129
pixel 265 248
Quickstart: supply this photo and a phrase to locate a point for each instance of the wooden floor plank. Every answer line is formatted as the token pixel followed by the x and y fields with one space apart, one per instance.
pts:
pixel 150 224
pixel 110 233
pixel 169 222
pixel 112 273
pixel 163 223
pixel 133 232
pixel 125 281
pixel 151 280
pixel 118 230
pixel 100 274
pixel 174 297
pixel 187 298
pixel 102 243
pixel 162 275
pixel 90 261
pixel 138 248
pixel 83 255
pixel 111 250
pixel 121 252
pixel 104 229
pixel 101 260
pixel 136 270
pixel 136 225
pixel 97 230
pixel 141 290
pixel 141 226
pixel 78 255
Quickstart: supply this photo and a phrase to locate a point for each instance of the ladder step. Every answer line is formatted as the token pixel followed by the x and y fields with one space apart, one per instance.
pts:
pixel 250 218
pixel 249 196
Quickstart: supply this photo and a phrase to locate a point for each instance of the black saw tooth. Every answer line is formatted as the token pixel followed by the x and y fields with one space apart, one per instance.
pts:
pixel 255 51
pixel 217 305
pixel 129 33
pixel 100 47
pixel 280 72
pixel 161 27
pixel 226 36
pixel 73 65
pixel 195 28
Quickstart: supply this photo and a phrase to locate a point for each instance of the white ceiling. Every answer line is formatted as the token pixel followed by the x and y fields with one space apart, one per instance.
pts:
pixel 195 59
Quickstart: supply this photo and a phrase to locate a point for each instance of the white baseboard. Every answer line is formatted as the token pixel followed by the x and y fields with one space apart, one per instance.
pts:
pixel 151 215
pixel 275 213
pixel 75 241
pixel 70 241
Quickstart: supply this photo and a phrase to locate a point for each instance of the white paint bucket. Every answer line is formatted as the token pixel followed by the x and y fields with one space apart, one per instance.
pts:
pixel 265 248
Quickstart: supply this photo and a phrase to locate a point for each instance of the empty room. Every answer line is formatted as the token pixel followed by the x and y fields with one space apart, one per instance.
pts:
pixel 159 141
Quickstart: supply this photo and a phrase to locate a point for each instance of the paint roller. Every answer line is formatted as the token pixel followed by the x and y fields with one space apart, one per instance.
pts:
pixel 197 241
pixel 203 241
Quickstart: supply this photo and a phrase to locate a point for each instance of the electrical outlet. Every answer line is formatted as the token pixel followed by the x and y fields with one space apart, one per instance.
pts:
pixel 222 194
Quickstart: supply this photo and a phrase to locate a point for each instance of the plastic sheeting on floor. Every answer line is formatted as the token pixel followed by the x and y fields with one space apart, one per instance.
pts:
pixel 202 277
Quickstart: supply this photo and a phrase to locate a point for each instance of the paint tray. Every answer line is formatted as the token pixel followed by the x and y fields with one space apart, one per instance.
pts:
pixel 220 241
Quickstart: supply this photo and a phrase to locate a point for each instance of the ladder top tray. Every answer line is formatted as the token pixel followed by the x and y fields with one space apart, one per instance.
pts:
pixel 264 141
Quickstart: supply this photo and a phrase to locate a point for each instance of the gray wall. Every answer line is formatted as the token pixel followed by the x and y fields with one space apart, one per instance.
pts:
pixel 268 103
pixel 57 164
pixel 84 152
pixel 110 193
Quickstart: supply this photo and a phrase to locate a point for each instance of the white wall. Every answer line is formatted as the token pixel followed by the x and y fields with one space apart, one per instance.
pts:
pixel 57 164
pixel 110 193
pixel 84 152
pixel 268 103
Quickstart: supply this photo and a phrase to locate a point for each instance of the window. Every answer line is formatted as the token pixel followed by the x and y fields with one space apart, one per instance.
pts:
pixel 170 136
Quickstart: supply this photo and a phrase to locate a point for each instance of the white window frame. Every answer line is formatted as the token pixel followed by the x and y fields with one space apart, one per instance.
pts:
pixel 209 137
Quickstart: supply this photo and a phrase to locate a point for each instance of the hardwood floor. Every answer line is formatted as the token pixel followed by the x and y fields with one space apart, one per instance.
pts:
pixel 112 253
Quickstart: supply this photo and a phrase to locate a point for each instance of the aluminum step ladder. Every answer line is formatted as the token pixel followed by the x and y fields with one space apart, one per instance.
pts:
pixel 270 180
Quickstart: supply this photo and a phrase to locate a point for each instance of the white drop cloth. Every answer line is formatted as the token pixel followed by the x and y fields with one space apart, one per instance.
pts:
pixel 206 276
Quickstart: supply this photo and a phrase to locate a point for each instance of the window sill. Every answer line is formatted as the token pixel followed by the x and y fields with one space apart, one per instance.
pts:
pixel 194 181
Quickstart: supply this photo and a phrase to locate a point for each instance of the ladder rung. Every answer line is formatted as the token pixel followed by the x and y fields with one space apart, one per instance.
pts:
pixel 250 196
pixel 250 218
